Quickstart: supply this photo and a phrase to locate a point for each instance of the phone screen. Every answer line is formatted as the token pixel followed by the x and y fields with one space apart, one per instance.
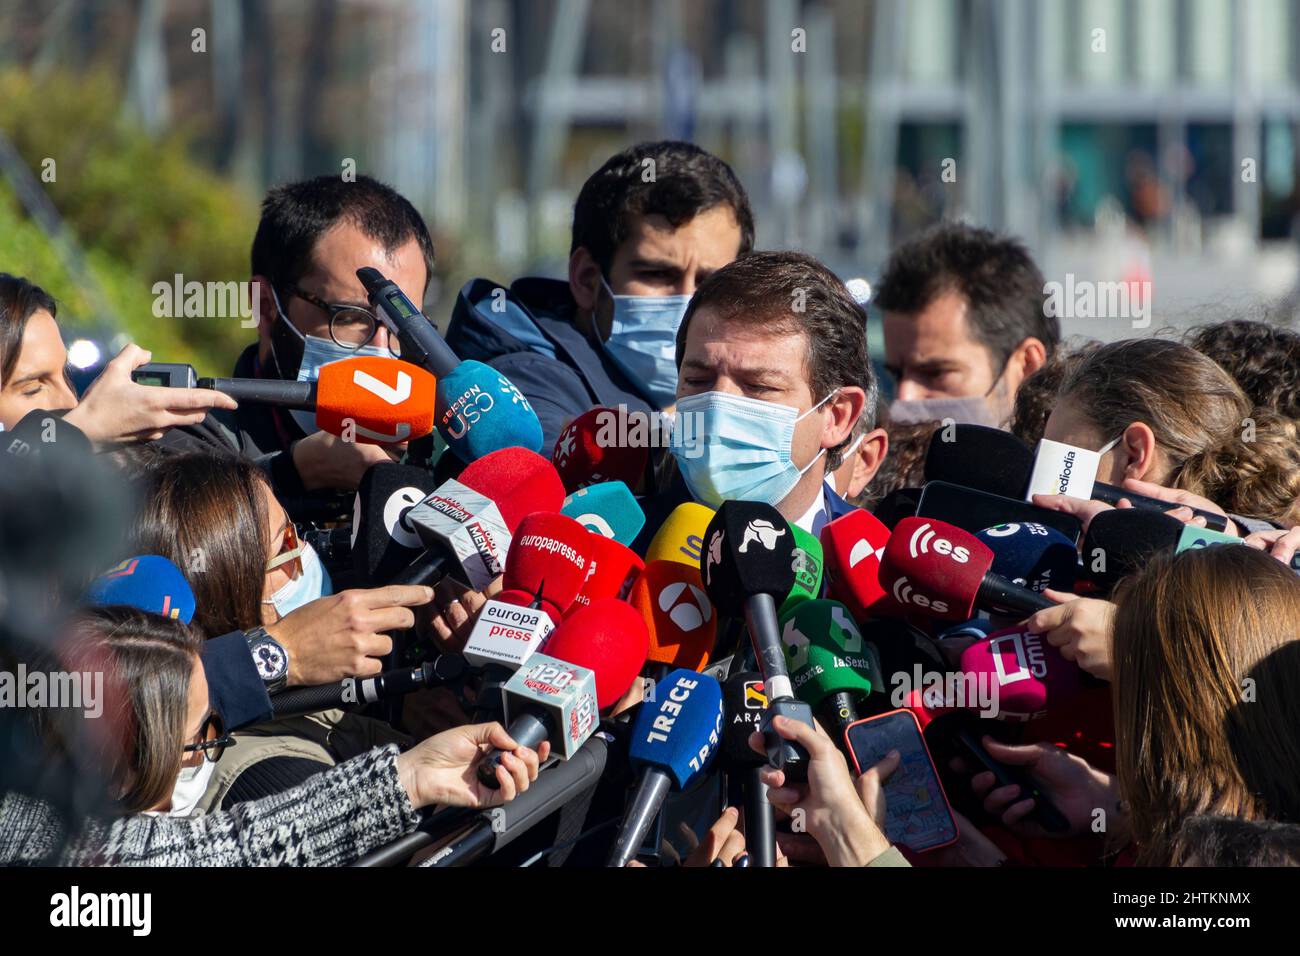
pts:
pixel 917 811
pixel 974 511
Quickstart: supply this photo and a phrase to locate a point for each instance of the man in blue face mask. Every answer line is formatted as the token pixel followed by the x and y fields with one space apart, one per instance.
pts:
pixel 648 226
pixel 774 379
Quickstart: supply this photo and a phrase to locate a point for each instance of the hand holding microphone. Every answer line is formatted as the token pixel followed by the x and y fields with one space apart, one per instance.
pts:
pixel 443 770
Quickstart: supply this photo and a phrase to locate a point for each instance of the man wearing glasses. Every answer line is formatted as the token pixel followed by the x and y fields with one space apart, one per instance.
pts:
pixel 312 310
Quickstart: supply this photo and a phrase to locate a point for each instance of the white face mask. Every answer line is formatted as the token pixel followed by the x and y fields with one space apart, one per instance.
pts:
pixel 191 784
pixel 314 582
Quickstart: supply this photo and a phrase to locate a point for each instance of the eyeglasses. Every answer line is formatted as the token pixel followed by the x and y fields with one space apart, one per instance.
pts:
pixel 213 739
pixel 290 553
pixel 351 327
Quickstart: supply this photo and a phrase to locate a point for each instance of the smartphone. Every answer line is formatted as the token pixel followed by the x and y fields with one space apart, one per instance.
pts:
pixel 974 511
pixel 165 375
pixel 918 815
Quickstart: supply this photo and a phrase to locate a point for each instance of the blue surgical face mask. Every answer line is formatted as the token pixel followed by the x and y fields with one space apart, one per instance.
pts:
pixel 318 352
pixel 314 582
pixel 643 341
pixel 737 449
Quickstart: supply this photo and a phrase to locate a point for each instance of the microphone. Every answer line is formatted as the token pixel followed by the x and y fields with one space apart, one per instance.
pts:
pixel 681 536
pixel 677 613
pixel 743 705
pixel 587 664
pixel 749 562
pixel 898 504
pixel 612 569
pixel 673 740
pixel 1027 672
pixel 1120 541
pixel 943 572
pixel 467 523
pixel 480 411
pixel 557 784
pixel 808 565
pixel 360 691
pixel 1032 555
pixel 603 444
pixel 384 541
pixel 149 582
pixel 421 343
pixel 607 509
pixel 853 545
pixel 368 399
pixel 41 431
pixel 828 661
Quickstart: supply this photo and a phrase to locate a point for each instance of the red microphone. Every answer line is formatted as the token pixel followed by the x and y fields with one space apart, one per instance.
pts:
pixel 604 444
pixel 608 637
pixel 852 546
pixel 611 570
pixel 678 614
pixel 548 560
pixel 519 481
pixel 943 572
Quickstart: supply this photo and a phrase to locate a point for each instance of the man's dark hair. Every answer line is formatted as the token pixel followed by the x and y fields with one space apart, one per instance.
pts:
pixel 20 299
pixel 669 178
pixel 785 292
pixel 296 215
pixel 1264 360
pixel 1002 286
pixel 1207 840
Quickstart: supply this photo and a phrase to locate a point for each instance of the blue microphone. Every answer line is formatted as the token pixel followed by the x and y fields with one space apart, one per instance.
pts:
pixel 608 509
pixel 148 582
pixel 480 411
pixel 1032 555
pixel 673 740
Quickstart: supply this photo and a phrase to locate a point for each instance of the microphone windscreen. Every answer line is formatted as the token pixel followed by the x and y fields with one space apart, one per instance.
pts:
pixel 743 701
pixel 678 729
pixel 1028 675
pixel 519 481
pixel 375 400
pixel 824 652
pixel 980 457
pixel 548 558
pixel 853 545
pixel 1121 540
pixel 149 582
pixel 749 550
pixel 607 509
pixel 1032 555
pixel 677 613
pixel 808 566
pixel 898 504
pixel 603 444
pixel 611 570
pixel 681 536
pixel 607 637
pixel 383 543
pixel 934 568
pixel 480 411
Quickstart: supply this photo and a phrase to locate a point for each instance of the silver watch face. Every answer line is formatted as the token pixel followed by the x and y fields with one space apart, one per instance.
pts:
pixel 270 660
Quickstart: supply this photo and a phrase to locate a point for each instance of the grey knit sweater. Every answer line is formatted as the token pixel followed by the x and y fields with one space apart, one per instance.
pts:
pixel 329 820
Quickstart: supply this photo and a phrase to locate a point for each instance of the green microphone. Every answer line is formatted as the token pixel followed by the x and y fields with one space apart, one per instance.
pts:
pixel 831 666
pixel 808 566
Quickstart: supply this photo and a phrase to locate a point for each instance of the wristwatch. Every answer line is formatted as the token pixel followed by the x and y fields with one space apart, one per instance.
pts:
pixel 270 658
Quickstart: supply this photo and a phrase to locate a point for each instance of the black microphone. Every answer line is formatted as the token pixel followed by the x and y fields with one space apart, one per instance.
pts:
pixel 42 431
pixel 744 701
pixel 265 391
pixel 421 343
pixel 555 786
pixel 384 542
pixel 747 566
pixel 359 691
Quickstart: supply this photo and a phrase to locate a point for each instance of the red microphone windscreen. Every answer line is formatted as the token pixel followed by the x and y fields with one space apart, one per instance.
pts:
pixel 1027 675
pixel 548 556
pixel 678 614
pixel 518 480
pixel 851 549
pixel 608 637
pixel 375 400
pixel 604 444
pixel 934 568
pixel 610 571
